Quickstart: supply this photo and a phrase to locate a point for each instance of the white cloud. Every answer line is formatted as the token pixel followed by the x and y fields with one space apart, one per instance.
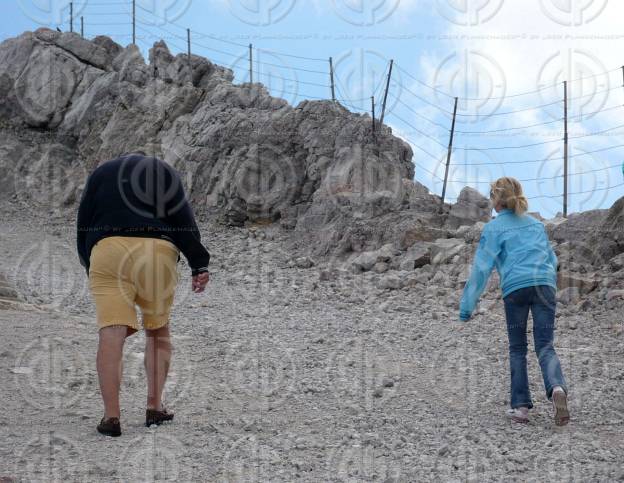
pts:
pixel 532 50
pixel 364 10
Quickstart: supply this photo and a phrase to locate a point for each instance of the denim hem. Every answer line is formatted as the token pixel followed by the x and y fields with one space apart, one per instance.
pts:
pixel 523 404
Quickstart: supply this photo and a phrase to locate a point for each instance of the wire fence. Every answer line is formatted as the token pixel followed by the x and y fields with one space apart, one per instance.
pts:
pixel 431 104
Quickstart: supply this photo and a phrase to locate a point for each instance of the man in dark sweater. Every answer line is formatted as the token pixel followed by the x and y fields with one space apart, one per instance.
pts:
pixel 133 221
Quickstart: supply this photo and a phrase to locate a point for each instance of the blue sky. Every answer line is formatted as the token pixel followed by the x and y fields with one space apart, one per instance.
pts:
pixel 486 52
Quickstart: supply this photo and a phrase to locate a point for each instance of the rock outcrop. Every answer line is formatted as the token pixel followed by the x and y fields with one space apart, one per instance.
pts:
pixel 244 154
pixel 471 206
pixel 246 157
pixel 608 236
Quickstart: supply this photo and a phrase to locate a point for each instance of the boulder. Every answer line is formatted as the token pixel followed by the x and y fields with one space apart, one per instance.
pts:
pixel 443 250
pixel 417 256
pixel 615 295
pixel 439 278
pixel 585 284
pixel 471 206
pixel 617 262
pixel 389 282
pixel 381 267
pixel 87 51
pixel 11 298
pixel 111 47
pixel 131 66
pixel 576 226
pixel 386 252
pixel 366 261
pixel 45 87
pixel 470 234
pixel 568 295
pixel 421 231
pixel 608 236
pixel 596 235
pixel 304 262
pixel 552 227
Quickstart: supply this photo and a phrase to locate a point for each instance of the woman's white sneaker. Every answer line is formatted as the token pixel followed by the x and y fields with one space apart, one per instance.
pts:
pixel 560 405
pixel 518 415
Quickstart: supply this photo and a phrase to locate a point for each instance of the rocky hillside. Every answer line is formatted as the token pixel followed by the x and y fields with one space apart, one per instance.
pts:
pixel 314 171
pixel 244 153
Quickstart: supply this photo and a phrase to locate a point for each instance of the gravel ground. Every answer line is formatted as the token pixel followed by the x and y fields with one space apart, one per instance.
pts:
pixel 282 375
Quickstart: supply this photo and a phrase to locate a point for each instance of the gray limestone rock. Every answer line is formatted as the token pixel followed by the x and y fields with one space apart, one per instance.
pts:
pixel 444 249
pixel 585 284
pixel 569 295
pixel 390 282
pixel 471 207
pixel 617 262
pixel 417 256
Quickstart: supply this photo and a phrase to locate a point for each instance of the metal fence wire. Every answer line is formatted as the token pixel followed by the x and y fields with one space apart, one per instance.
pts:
pixel 322 75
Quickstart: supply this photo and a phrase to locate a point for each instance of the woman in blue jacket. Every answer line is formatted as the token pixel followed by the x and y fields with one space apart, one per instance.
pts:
pixel 518 246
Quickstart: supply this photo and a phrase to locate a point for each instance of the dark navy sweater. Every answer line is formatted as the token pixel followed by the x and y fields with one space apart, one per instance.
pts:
pixel 139 196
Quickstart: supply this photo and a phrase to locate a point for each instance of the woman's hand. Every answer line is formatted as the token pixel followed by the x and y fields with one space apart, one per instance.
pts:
pixel 200 281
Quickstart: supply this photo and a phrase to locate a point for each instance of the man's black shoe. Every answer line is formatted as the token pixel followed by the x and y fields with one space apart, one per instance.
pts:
pixel 152 416
pixel 109 427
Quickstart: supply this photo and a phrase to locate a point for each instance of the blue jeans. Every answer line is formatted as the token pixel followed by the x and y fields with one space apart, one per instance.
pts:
pixel 541 300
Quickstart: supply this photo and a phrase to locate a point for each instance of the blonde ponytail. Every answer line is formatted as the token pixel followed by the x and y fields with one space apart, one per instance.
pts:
pixel 508 192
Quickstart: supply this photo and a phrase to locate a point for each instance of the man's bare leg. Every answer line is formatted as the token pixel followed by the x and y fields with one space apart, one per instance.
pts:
pixel 157 359
pixel 109 366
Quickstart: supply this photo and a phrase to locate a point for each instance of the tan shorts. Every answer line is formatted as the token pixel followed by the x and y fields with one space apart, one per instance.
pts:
pixel 129 271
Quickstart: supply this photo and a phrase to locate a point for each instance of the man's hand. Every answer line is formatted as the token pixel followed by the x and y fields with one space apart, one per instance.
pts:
pixel 200 281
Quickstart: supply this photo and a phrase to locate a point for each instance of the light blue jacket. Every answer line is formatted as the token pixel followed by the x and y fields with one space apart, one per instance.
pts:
pixel 519 247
